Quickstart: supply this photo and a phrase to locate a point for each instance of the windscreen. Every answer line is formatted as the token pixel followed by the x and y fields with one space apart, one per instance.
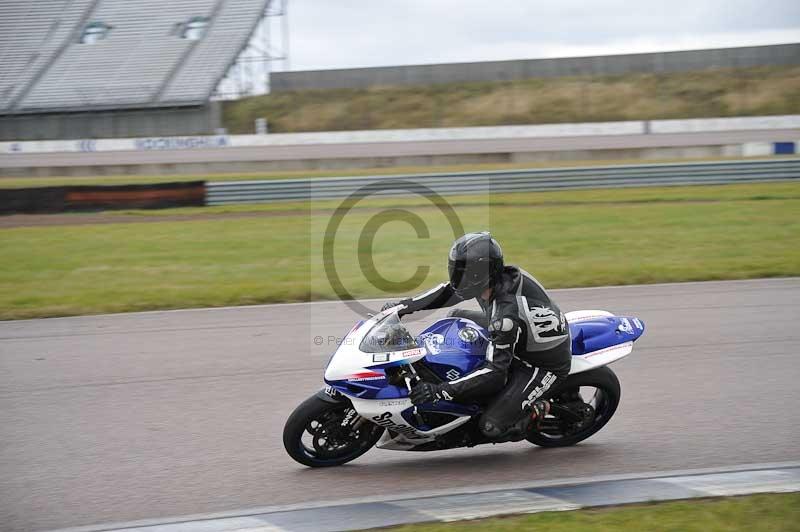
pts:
pixel 388 335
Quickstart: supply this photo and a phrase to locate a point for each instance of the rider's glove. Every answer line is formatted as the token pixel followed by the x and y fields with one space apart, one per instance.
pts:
pixel 389 304
pixel 426 392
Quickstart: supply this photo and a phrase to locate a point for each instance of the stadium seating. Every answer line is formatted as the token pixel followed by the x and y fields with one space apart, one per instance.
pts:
pixel 31 33
pixel 142 61
pixel 213 55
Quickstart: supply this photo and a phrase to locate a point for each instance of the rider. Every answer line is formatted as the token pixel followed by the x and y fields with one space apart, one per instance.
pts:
pixel 530 350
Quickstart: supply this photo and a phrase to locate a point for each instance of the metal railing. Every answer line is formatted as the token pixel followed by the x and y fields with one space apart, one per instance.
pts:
pixel 263 191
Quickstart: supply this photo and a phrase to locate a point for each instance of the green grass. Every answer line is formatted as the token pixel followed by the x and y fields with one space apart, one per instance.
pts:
pixel 774 512
pixel 575 238
pixel 708 93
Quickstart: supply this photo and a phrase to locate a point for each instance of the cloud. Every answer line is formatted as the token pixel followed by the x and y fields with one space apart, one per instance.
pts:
pixel 351 33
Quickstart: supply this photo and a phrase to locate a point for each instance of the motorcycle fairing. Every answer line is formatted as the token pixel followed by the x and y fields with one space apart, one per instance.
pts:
pixel 453 347
pixel 598 338
pixel 405 434
pixel 444 345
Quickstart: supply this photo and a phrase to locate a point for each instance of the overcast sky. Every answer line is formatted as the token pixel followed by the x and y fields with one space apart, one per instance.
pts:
pixel 353 33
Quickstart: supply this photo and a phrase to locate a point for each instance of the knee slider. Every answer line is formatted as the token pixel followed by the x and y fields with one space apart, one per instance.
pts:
pixel 490 430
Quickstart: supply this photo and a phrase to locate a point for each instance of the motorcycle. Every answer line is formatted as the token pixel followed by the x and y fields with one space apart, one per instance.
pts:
pixel 368 379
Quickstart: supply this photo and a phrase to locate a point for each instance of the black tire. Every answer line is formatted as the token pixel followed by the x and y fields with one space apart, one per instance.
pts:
pixel 326 414
pixel 603 379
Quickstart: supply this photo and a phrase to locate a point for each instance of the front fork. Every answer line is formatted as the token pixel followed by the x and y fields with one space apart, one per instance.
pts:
pixel 329 394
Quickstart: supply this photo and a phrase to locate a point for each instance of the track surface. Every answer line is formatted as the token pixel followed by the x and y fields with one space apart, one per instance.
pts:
pixel 123 417
pixel 393 149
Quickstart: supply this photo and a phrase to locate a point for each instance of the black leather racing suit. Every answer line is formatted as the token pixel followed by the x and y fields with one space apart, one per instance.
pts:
pixel 530 350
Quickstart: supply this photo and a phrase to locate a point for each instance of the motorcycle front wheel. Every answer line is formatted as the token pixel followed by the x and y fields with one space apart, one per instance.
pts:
pixel 324 433
pixel 579 408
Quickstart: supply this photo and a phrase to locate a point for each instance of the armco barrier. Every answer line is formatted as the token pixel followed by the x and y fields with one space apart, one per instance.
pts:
pixel 95 198
pixel 221 193
pixel 198 193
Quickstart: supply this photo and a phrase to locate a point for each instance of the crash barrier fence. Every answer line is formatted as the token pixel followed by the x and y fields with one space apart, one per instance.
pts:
pixel 199 193
pixel 222 193
pixel 649 127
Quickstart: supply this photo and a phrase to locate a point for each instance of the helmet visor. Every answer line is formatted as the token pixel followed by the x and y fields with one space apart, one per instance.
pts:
pixel 469 278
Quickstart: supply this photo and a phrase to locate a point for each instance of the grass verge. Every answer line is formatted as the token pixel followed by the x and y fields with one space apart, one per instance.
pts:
pixel 774 512
pixel 699 94
pixel 571 238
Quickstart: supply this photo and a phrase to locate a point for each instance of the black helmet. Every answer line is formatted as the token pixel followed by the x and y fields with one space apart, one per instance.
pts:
pixel 474 264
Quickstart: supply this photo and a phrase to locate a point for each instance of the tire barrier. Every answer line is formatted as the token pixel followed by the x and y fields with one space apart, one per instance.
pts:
pixel 32 200
pixel 96 198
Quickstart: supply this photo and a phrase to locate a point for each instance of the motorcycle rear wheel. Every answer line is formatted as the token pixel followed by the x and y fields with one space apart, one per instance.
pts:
pixel 315 436
pixel 558 432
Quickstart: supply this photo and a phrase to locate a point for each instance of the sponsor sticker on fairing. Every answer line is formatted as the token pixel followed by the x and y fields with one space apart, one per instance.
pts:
pixel 468 334
pixel 412 352
pixel 434 343
pixel 385 420
pixel 394 402
pixel 452 375
pixel 366 376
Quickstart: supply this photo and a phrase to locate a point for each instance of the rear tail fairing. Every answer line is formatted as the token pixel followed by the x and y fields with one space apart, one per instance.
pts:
pixel 599 338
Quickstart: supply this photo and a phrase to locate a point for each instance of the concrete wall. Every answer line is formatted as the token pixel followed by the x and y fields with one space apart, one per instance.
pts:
pixel 112 124
pixel 203 155
pixel 776 55
pixel 388 136
pixel 342 163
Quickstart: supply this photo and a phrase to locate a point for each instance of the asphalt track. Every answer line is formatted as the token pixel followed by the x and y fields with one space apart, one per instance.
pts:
pixel 394 149
pixel 125 417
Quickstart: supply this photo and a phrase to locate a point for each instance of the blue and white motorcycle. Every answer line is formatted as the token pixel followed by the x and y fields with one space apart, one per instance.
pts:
pixel 366 404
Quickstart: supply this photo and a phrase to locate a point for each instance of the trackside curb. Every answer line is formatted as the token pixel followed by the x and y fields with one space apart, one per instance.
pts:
pixel 556 495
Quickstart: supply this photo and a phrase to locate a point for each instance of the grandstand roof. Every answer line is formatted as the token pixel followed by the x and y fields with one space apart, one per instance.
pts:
pixel 69 55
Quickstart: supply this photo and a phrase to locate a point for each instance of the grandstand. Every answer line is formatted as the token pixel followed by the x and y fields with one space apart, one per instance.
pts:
pixel 118 68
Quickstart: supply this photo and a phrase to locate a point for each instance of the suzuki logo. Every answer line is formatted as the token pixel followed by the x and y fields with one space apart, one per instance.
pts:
pixel 452 375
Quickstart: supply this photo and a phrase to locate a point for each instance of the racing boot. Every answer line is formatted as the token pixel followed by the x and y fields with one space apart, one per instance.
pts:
pixel 540 409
